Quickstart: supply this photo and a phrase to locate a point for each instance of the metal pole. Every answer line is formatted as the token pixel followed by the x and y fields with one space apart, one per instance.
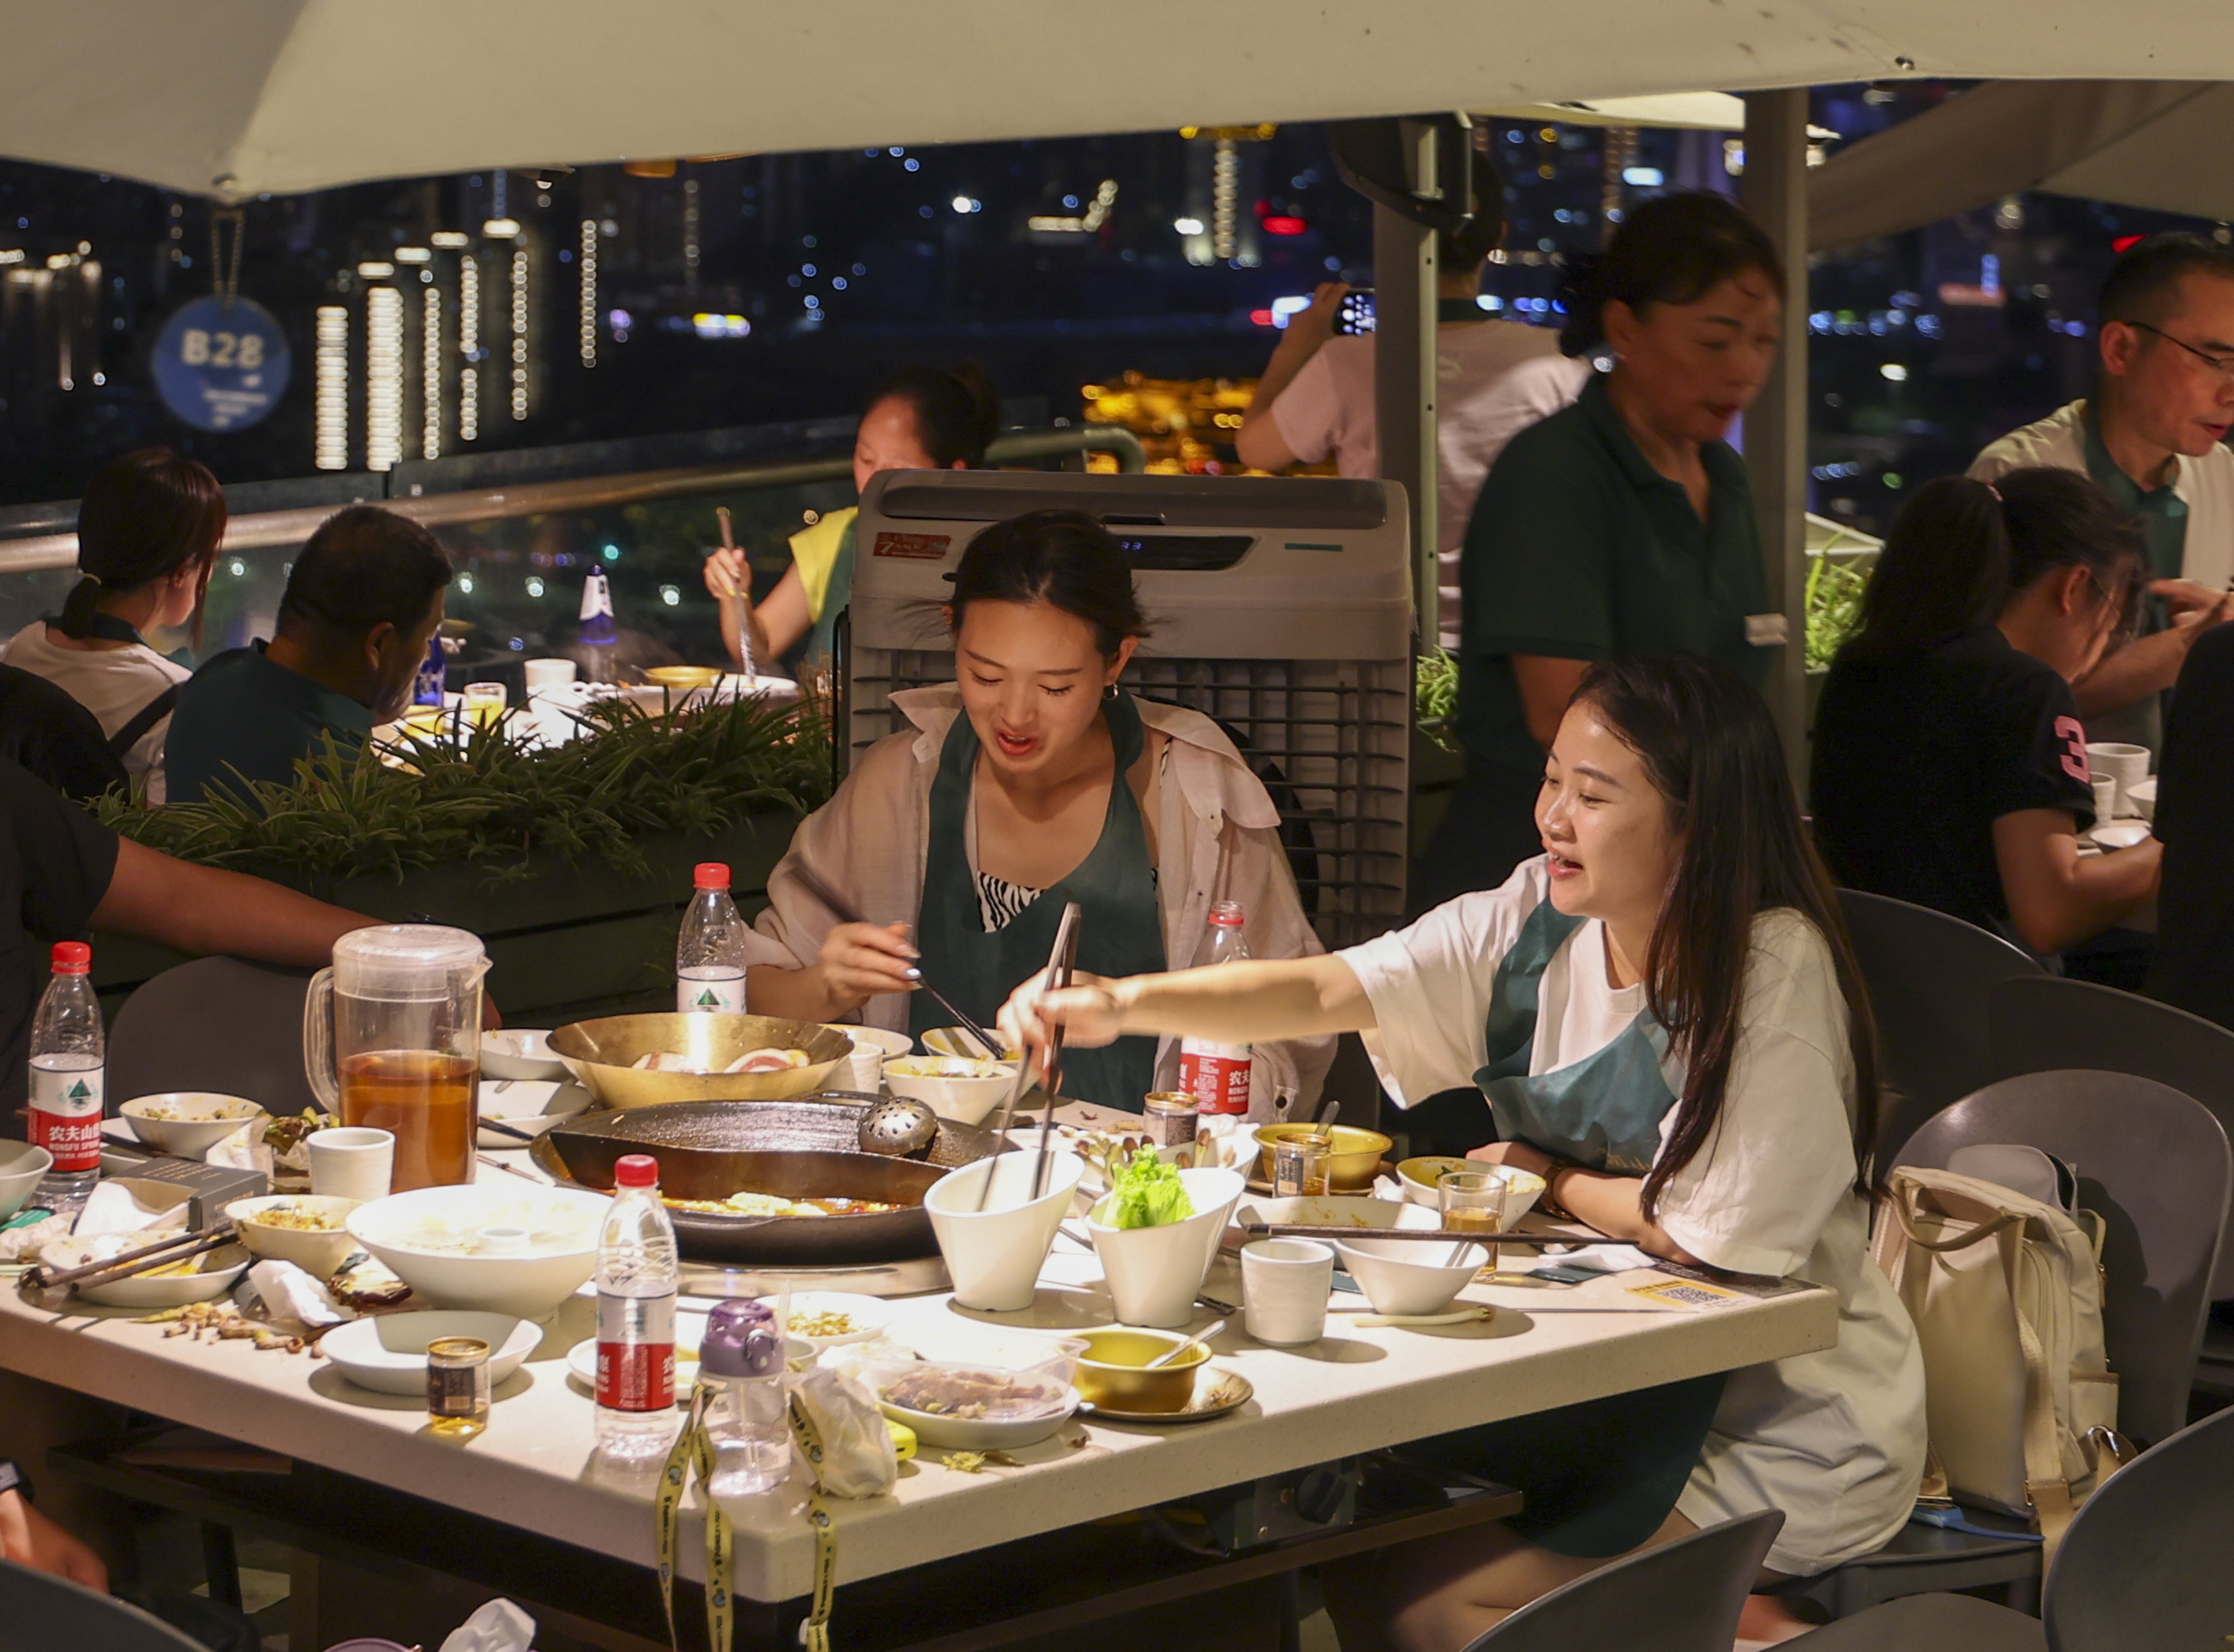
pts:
pixel 1404 388
pixel 1774 190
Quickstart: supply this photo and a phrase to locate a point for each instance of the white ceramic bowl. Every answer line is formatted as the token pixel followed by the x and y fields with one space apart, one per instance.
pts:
pixel 958 1041
pixel 215 1272
pixel 22 1165
pixel 317 1251
pixel 531 1105
pixel 1154 1273
pixel 994 1255
pixel 2143 796
pixel 866 1068
pixel 869 1315
pixel 944 1084
pixel 1411 1276
pixel 1336 1211
pixel 202 1119
pixel 423 1236
pixel 2120 834
pixel 520 1053
pixel 388 1352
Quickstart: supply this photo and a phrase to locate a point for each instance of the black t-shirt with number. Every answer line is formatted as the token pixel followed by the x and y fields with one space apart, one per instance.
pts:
pixel 56 862
pixel 1918 753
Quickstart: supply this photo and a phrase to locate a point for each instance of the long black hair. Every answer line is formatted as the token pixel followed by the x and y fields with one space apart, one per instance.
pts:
pixel 145 515
pixel 1065 558
pixel 1961 550
pixel 957 414
pixel 1710 750
pixel 1673 250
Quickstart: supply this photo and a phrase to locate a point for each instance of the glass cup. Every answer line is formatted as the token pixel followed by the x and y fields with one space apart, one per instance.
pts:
pixel 1473 1202
pixel 391 1041
pixel 483 704
pixel 1302 1167
pixel 458 1386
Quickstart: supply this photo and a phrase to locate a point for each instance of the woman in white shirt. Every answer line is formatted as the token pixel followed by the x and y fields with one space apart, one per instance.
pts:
pixel 1032 780
pixel 1665 1019
pixel 147 534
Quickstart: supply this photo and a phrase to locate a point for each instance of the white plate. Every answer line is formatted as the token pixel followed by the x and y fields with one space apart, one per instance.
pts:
pixel 533 1104
pixel 219 1271
pixel 2120 834
pixel 978 1433
pixel 690 1326
pixel 387 1353
pixel 870 1314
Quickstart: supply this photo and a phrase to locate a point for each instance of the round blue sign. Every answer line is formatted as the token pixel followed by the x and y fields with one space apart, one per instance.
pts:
pixel 221 365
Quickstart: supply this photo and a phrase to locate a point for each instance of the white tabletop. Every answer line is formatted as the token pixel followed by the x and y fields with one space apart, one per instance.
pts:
pixel 1358 1389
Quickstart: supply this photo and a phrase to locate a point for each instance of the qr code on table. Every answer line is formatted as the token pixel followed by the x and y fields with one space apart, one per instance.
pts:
pixel 1679 1294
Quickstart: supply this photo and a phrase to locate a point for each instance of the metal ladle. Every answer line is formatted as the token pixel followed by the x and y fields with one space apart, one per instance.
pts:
pixel 898 1126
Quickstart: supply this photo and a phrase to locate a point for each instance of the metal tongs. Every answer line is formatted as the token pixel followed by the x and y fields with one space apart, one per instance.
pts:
pixel 1062 960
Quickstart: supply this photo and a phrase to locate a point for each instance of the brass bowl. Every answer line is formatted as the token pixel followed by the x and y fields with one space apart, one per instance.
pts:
pixel 684 677
pixel 1112 1371
pixel 599 1054
pixel 1357 1153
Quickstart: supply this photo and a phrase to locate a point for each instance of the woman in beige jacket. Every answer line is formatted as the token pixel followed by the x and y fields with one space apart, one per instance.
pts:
pixel 1031 782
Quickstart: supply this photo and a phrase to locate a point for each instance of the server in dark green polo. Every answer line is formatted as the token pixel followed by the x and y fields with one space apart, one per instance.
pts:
pixel 1623 525
pixel 363 602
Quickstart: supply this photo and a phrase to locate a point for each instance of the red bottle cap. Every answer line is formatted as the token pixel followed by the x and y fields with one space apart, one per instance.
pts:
pixel 636 1170
pixel 72 957
pixel 711 874
pixel 1228 915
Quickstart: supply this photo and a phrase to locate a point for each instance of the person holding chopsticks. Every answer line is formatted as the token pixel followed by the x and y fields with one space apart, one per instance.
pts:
pixel 1031 782
pixel 922 418
pixel 1664 1018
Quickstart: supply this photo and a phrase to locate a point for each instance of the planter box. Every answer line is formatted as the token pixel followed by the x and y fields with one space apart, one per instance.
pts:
pixel 577 939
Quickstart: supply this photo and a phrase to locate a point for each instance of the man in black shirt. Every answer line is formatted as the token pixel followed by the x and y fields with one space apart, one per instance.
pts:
pixel 62 873
pixel 2193 965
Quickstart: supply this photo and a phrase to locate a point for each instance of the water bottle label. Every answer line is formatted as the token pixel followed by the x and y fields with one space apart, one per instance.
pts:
pixel 717 995
pixel 1216 1076
pixel 65 1116
pixel 635 1352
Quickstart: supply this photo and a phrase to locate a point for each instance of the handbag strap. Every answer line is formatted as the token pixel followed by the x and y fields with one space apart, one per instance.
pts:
pixel 143 720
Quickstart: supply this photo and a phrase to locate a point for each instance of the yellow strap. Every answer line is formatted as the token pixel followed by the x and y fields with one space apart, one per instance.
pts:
pixel 815 1633
pixel 693 1449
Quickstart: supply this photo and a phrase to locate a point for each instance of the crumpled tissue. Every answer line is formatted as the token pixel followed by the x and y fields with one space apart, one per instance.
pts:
pixel 858 1458
pixel 113 1208
pixel 290 1292
pixel 499 1626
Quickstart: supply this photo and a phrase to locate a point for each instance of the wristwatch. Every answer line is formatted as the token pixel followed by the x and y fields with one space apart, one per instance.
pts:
pixel 13 1479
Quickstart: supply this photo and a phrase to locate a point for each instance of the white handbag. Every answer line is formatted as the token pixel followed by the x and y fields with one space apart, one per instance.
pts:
pixel 2006 1291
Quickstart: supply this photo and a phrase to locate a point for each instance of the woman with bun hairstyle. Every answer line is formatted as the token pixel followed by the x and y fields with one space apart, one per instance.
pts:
pixel 922 418
pixel 1949 765
pixel 1032 780
pixel 1622 524
pixel 147 534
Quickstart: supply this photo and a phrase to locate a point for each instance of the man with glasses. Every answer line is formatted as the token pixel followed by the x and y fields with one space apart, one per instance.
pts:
pixel 2153 436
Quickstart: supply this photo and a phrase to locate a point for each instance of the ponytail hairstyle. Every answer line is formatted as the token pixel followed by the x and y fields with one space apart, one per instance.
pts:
pixel 144 517
pixel 1673 250
pixel 1962 550
pixel 1064 558
pixel 957 414
pixel 1711 752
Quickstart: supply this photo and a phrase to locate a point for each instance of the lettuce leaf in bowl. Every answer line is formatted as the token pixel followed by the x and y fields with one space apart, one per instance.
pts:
pixel 1148 1193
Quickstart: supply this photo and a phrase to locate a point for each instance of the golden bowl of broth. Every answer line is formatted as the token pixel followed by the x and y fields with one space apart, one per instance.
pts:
pixel 1356 1152
pixel 683 678
pixel 696 1050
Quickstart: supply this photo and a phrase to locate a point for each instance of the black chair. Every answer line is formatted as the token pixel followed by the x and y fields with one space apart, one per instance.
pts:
pixel 221 1024
pixel 39 1613
pixel 2155 1167
pixel 1929 977
pixel 2043 1024
pixel 2143 1565
pixel 1682 1596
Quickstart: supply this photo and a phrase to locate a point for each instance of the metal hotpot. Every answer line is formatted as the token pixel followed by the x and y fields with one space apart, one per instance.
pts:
pixel 802 1149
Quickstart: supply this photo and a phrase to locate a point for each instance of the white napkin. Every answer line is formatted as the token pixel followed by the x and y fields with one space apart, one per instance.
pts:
pixel 499 1626
pixel 113 1208
pixel 289 1292
pixel 243 1149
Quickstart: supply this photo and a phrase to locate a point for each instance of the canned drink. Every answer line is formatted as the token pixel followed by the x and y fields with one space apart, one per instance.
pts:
pixel 458 1386
pixel 1169 1118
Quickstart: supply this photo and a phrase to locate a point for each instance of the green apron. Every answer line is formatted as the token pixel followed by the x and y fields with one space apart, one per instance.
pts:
pixel 1602 1111
pixel 822 639
pixel 1119 933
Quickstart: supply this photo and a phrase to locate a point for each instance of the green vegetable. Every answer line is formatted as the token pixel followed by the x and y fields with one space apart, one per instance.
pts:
pixel 1834 606
pixel 1148 1193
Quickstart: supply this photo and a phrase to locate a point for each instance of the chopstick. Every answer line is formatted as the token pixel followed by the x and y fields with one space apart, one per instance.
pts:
pixel 1444 1236
pixel 147 1257
pixel 846 914
pixel 504 1129
pixel 1059 973
pixel 1064 932
pixel 499 1164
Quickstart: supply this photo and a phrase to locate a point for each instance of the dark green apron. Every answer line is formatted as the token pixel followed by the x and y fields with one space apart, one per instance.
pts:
pixel 1120 931
pixel 1602 1111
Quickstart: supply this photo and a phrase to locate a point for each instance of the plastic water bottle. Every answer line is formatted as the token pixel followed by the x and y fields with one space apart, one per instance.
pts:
pixel 1216 1074
pixel 741 1363
pixel 710 952
pixel 637 1278
pixel 69 1058
pixel 597 633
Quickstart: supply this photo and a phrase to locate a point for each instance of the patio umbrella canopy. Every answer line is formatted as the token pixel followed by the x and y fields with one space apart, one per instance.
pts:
pixel 2156 144
pixel 237 98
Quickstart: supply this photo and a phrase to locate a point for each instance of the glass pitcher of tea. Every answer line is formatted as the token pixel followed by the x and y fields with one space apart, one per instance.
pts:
pixel 391 1039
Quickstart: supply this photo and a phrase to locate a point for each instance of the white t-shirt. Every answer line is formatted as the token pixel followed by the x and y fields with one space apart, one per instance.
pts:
pixel 114 684
pixel 1329 409
pixel 1835 1439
